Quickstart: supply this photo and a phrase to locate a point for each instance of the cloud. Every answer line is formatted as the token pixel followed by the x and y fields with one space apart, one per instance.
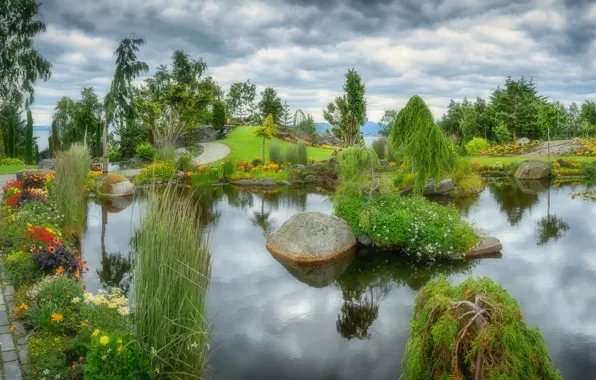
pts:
pixel 439 49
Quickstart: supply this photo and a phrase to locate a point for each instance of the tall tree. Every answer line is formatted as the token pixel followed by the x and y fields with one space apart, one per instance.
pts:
pixel 2 152
pixel 21 65
pixel 573 120
pixel 421 143
pixel 55 145
pixel 241 97
pixel 266 131
pixel 219 115
pixel 11 152
pixel 118 102
pixel 270 104
pixel 64 117
pixel 355 95
pixel 36 154
pixel 387 121
pixel 29 139
pixel 286 116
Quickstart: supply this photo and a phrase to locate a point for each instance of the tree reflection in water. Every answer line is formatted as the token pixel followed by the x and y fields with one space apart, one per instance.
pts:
pixel 550 226
pixel 115 269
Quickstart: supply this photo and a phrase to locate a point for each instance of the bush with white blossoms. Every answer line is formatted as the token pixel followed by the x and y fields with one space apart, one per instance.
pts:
pixel 114 299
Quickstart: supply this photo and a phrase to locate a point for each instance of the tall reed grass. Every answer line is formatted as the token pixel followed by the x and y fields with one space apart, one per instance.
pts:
pixel 171 276
pixel 275 153
pixel 297 154
pixel 72 168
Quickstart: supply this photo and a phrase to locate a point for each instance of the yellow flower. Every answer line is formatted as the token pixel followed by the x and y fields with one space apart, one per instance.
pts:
pixel 104 340
pixel 57 317
pixel 12 329
pixel 84 324
pixel 123 310
pixel 95 333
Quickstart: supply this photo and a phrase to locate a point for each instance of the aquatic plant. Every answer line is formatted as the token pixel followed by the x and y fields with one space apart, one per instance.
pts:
pixel 473 331
pixel 171 276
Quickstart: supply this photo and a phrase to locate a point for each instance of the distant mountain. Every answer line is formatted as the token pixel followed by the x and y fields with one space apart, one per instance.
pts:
pixel 40 128
pixel 370 128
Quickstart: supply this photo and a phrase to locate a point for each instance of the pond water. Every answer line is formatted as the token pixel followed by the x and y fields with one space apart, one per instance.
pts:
pixel 350 320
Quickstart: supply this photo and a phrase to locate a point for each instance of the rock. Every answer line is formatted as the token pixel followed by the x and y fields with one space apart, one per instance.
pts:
pixel 259 182
pixel 47 163
pixel 576 141
pixel 297 182
pixel 532 169
pixel 206 133
pixel 522 141
pixel 364 240
pixel 312 237
pixel 20 174
pixel 384 163
pixel 284 183
pixel 488 246
pixel 445 187
pixel 115 185
pixel 299 167
pixel 310 179
pixel 181 151
pixel 556 148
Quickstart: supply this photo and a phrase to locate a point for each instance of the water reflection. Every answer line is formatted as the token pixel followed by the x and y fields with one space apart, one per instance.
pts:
pixel 512 200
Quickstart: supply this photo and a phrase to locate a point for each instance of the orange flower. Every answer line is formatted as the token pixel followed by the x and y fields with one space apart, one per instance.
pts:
pixel 57 317
pixel 78 274
pixel 59 270
pixel 84 324
pixel 12 329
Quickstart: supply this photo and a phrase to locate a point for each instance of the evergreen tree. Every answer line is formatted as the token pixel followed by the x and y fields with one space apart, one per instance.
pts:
pixel 36 154
pixel 266 131
pixel 2 153
pixel 219 115
pixel 355 92
pixel 50 146
pixel 11 152
pixel 98 145
pixel 270 104
pixel 421 143
pixel 29 139
pixel 286 118
pixel 56 145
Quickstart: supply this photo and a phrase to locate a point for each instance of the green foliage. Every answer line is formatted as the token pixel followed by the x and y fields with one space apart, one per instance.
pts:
pixel 185 162
pixel 55 145
pixel 162 171
pixel 219 114
pixel 590 170
pixel 116 355
pixel 146 152
pixel 379 146
pixel 52 308
pixel 21 268
pixel 11 161
pixel 240 98
pixel 500 335
pixel 421 143
pixel 171 276
pixel 266 131
pixel 386 122
pixel 2 152
pixel 47 358
pixel 467 182
pixel 411 224
pixel 275 153
pixel 270 104
pixel 167 153
pixel 403 179
pixel 501 133
pixel 296 154
pixel 11 142
pixel 354 171
pixel 355 96
pixel 114 156
pixel 476 145
pixel 69 190
pixel 29 139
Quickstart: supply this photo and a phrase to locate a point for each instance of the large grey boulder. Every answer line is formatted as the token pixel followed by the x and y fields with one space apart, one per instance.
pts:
pixel 312 237
pixel 488 246
pixel 115 185
pixel 47 163
pixel 258 182
pixel 532 169
pixel 445 187
pixel 522 141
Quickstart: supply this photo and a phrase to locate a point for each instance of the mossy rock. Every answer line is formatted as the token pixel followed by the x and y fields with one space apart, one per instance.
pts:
pixel 115 185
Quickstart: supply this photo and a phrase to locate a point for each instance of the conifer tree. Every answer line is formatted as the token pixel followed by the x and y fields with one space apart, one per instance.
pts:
pixel 11 137
pixel 29 139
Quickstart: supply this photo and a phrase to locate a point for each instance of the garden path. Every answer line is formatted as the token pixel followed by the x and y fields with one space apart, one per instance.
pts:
pixel 5 178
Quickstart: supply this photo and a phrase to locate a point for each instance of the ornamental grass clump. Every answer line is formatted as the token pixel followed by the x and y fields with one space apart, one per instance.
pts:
pixel 69 188
pixel 171 277
pixel 410 224
pixel 473 331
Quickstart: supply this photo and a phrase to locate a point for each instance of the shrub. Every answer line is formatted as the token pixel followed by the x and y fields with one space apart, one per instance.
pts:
pixel 443 344
pixel 47 357
pixel 404 179
pixel 412 224
pixel 171 277
pixel 167 153
pixel 275 152
pixel 477 144
pixel 56 302
pixel 467 182
pixel 115 355
pixel 501 133
pixel 72 169
pixel 158 171
pixel 379 145
pixel 590 170
pixel 297 154
pixel 21 268
pixel 354 170
pixel 184 162
pixel 229 168
pixel 11 161
pixel 146 152
pixel 114 156
pixel 36 179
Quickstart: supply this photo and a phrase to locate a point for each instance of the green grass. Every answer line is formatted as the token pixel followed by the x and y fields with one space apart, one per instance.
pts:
pixel 245 146
pixel 518 159
pixel 12 169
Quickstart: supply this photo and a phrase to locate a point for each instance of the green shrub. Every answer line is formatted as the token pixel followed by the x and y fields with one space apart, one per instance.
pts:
pixel 114 156
pixel 70 187
pixel 477 144
pixel 21 268
pixel 275 154
pixel 56 303
pixel 229 168
pixel 467 182
pixel 11 161
pixel 302 154
pixel 47 358
pixel 392 154
pixel 167 153
pixel 411 224
pixel 115 355
pixel 146 152
pixel 158 171
pixel 296 154
pixel 403 179
pixel 443 345
pixel 184 162
pixel 590 170
pixel 379 145
pixel 354 170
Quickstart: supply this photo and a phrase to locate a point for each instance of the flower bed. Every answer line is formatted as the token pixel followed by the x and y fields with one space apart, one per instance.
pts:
pixel 497 170
pixel 508 149
pixel 588 149
pixel 74 334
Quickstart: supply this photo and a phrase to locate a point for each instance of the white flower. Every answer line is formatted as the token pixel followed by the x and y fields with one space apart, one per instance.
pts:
pixel 46 371
pixel 104 357
pixel 76 300
pixel 194 345
pixel 123 310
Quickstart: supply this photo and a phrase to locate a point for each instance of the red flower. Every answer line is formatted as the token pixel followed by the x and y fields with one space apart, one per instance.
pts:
pixel 13 199
pixel 52 249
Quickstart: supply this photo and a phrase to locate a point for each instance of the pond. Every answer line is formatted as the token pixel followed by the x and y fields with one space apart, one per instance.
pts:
pixel 350 320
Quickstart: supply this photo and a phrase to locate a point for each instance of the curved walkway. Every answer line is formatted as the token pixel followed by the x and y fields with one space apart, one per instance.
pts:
pixel 212 151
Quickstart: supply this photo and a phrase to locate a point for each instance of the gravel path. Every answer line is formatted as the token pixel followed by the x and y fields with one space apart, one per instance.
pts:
pixel 212 152
pixel 5 178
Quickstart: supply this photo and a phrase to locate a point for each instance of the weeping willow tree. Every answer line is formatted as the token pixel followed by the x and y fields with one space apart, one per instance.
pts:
pixel 473 331
pixel 420 143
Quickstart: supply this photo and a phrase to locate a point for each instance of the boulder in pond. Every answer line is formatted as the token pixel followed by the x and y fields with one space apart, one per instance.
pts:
pixel 312 237
pixel 115 185
pixel 258 182
pixel 487 246
pixel 532 169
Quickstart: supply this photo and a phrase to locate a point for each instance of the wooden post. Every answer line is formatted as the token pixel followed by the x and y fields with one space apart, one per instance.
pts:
pixel 106 160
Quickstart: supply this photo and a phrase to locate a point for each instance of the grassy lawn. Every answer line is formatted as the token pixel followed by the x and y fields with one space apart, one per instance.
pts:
pixel 516 159
pixel 12 169
pixel 245 146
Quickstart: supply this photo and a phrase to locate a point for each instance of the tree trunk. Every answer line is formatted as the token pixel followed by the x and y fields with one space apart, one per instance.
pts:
pixel 106 160
pixel 263 150
pixel 548 145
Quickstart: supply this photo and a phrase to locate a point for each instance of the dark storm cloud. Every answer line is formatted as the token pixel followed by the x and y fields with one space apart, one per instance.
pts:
pixel 439 49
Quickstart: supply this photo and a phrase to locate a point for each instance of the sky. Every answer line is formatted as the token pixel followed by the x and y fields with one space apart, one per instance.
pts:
pixel 438 49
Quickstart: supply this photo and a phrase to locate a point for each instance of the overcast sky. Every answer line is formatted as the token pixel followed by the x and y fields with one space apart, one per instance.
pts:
pixel 437 49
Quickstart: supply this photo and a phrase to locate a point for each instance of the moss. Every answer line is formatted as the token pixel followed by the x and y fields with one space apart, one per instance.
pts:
pixel 105 185
pixel 456 327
